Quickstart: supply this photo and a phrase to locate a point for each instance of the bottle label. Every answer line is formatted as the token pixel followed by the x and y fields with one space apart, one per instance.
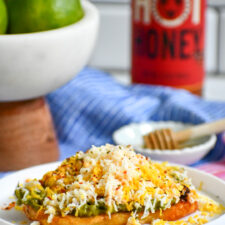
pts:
pixel 168 42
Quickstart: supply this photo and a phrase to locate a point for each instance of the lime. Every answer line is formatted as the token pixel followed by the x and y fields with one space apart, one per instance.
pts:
pixel 26 16
pixel 3 17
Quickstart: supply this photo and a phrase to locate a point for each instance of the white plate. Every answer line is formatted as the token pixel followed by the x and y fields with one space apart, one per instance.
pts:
pixel 132 134
pixel 213 186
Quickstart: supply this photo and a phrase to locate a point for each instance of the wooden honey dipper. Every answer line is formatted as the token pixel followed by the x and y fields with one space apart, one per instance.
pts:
pixel 167 139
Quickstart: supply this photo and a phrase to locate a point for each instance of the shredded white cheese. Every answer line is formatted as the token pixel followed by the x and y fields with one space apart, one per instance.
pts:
pixel 35 223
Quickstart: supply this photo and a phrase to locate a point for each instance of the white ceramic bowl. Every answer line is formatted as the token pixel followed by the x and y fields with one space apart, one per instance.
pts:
pixel 8 184
pixel 34 64
pixel 133 135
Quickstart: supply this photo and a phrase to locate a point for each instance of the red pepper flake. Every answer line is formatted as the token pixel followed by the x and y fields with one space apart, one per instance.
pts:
pixel 63 190
pixel 10 206
pixel 80 182
pixel 125 172
pixel 49 198
pixel 118 188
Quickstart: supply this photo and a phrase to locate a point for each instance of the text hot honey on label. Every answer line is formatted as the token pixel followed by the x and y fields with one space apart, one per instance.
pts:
pixel 168 43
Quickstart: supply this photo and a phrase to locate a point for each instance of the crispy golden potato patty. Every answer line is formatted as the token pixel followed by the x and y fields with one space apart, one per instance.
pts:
pixel 178 211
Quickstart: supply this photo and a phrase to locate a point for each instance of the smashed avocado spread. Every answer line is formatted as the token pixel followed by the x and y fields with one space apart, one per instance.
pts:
pixel 106 180
pixel 35 197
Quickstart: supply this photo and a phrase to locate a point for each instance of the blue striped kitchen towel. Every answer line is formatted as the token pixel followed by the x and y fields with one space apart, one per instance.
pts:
pixel 93 105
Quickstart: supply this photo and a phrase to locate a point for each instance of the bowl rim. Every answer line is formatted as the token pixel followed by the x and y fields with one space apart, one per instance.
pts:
pixel 209 143
pixel 90 11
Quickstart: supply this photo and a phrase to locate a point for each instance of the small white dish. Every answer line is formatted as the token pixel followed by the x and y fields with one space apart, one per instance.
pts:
pixel 15 217
pixel 132 134
pixel 34 64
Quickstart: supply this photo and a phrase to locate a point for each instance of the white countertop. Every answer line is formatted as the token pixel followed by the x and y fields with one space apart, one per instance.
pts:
pixel 214 85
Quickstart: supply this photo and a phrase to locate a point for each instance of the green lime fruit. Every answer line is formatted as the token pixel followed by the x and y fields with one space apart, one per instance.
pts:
pixel 27 16
pixel 3 17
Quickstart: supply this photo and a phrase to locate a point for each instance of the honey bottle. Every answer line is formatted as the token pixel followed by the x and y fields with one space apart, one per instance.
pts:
pixel 168 43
